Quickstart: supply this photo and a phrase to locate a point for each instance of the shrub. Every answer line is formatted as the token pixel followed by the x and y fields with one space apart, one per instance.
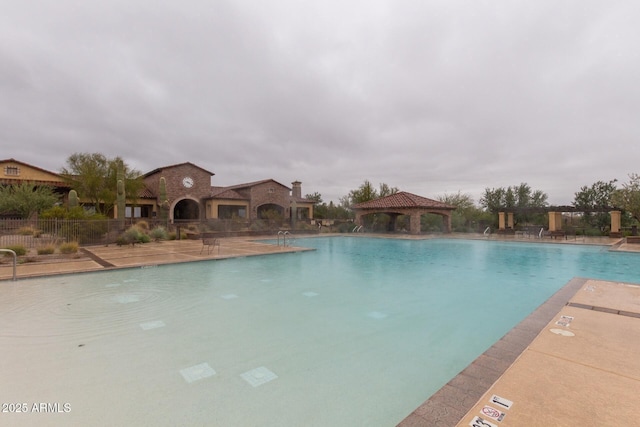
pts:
pixel 46 250
pixel 142 225
pixel 132 236
pixel 18 249
pixel 69 248
pixel 26 231
pixel 159 233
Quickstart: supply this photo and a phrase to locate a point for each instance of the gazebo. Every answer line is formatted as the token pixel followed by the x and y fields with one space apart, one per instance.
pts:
pixel 403 203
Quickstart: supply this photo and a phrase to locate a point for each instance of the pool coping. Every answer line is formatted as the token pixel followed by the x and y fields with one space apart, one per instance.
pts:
pixel 449 405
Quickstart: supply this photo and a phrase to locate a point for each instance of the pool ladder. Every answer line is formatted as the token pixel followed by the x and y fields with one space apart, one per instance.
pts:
pixel 487 232
pixel 284 238
pixel 15 260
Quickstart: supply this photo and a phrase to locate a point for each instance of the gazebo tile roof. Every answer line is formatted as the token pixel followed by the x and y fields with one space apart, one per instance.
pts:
pixel 403 200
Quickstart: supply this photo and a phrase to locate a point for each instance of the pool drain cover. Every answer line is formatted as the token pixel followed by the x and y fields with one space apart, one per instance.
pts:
pixel 257 377
pixel 197 372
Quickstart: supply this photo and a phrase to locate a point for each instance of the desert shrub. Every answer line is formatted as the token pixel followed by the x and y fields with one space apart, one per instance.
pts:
pixel 132 236
pixel 26 231
pixel 142 225
pixel 159 233
pixel 46 250
pixel 18 249
pixel 69 248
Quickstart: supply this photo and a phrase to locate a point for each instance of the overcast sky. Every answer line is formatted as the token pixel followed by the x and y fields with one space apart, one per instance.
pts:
pixel 432 97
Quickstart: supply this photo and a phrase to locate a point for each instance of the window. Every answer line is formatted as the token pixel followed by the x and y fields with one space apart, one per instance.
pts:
pixel 12 170
pixel 133 212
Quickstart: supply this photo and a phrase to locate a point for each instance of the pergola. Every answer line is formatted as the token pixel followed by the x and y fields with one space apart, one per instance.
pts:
pixel 403 203
pixel 505 216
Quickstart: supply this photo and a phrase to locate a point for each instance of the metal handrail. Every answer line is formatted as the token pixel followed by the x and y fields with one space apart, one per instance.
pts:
pixel 284 238
pixel 15 260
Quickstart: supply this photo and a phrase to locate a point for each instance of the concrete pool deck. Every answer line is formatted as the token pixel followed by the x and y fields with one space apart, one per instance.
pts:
pixel 96 258
pixel 574 361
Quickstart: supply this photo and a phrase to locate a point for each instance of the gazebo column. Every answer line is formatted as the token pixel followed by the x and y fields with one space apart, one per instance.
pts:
pixel 615 222
pixel 446 221
pixel 414 223
pixel 510 220
pixel 358 218
pixel 555 221
pixel 501 221
pixel 393 217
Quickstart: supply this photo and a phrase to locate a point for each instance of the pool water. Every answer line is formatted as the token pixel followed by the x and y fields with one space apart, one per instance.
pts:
pixel 357 333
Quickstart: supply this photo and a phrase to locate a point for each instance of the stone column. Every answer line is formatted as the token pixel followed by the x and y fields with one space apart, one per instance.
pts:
pixel 446 220
pixel 615 221
pixel 501 221
pixel 555 221
pixel 510 220
pixel 414 223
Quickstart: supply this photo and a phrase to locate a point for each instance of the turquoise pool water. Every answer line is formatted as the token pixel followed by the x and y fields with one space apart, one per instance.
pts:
pixel 357 333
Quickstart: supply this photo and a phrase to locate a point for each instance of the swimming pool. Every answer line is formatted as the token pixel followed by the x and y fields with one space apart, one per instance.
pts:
pixel 359 332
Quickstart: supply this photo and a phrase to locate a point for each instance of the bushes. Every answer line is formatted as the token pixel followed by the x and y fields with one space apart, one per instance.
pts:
pixel 46 250
pixel 137 234
pixel 65 248
pixel 69 248
pixel 159 233
pixel 18 249
pixel 28 231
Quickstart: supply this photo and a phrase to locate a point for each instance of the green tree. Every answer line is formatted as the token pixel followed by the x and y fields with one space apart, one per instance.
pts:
pixel 493 199
pixel 628 197
pixel 367 192
pixel 467 216
pixel 26 199
pixel 322 210
pixel 364 193
pixel 517 196
pixel 94 177
pixel 598 196
pixel 384 190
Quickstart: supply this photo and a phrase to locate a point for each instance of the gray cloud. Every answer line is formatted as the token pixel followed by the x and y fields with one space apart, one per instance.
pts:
pixel 432 97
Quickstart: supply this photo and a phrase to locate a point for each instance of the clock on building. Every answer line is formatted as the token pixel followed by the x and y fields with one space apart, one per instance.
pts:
pixel 187 181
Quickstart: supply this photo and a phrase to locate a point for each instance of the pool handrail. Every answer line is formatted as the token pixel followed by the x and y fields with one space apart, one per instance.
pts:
pixel 15 261
pixel 284 238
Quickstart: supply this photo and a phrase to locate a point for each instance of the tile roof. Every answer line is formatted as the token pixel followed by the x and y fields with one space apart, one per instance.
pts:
pixel 175 166
pixel 254 183
pixel 226 193
pixel 401 200
pixel 146 193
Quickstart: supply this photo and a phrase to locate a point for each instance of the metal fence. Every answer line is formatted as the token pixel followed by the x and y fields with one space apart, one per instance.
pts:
pixel 42 232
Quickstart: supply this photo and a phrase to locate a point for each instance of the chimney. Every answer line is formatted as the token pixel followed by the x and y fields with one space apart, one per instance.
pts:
pixel 296 191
